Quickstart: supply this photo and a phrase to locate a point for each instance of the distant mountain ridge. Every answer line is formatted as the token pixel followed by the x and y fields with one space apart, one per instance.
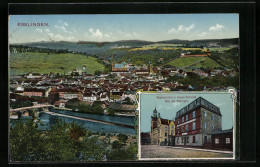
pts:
pixel 172 41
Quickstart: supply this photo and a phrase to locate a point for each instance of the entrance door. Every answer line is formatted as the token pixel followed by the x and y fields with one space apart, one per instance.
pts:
pixel 205 139
pixel 173 141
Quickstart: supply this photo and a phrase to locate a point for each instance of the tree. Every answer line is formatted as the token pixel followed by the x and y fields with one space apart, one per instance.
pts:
pixel 111 111
pixel 122 137
pixel 84 107
pixel 118 153
pixel 63 142
pixel 117 145
pixel 19 103
pixel 127 100
pixel 72 103
pixel 76 132
pixel 97 72
pixel 53 97
pixel 97 109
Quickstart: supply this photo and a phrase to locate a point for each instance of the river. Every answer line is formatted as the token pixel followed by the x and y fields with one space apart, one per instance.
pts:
pixel 48 119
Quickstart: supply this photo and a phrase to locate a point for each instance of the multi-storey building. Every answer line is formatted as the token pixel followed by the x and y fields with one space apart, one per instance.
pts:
pixel 33 92
pixel 162 130
pixel 196 121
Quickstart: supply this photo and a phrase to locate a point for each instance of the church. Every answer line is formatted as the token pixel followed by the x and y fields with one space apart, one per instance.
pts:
pixel 162 130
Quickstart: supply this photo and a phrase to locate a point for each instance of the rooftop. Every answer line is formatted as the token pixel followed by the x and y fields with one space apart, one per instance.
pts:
pixel 199 102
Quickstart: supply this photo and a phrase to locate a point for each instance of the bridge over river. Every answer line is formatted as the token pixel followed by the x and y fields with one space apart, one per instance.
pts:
pixel 32 107
pixel 25 110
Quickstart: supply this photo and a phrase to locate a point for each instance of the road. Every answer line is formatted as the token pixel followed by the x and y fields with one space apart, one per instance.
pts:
pixel 156 151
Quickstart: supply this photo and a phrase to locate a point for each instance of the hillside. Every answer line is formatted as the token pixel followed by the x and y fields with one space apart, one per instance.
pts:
pixel 91 47
pixel 21 63
pixel 194 62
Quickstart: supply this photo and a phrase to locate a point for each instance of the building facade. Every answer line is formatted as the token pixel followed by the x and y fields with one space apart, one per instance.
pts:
pixel 196 122
pixel 162 130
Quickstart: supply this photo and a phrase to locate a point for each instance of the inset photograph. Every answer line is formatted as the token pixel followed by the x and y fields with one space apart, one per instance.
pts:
pixel 187 126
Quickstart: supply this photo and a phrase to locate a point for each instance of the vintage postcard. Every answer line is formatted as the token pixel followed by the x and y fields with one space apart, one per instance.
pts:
pixel 187 125
pixel 73 81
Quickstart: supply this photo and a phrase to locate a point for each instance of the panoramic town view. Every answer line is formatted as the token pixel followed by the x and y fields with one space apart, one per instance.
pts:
pixel 73 79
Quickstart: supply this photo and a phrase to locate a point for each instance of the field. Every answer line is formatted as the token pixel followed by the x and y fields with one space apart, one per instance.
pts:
pixel 194 61
pixel 219 49
pixel 21 63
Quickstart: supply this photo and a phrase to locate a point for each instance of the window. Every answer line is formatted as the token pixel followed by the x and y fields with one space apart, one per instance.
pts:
pixel 193 114
pixel 187 128
pixel 183 129
pixel 182 119
pixel 228 140
pixel 187 117
pixel 212 127
pixel 205 114
pixel 178 122
pixel 172 127
pixel 217 141
pixel 193 125
pixel 172 132
pixel 193 139
pixel 218 118
pixel 187 139
pixel 205 125
pixel 177 130
pixel 212 116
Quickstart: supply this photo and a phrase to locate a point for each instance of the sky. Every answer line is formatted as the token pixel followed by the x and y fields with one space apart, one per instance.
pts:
pixel 168 110
pixel 114 27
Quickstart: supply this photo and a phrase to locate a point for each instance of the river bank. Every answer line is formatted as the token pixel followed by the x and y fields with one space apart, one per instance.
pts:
pixel 92 120
pixel 105 113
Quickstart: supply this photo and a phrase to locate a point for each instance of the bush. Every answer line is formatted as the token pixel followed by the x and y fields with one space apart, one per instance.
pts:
pixel 111 111
pixel 122 137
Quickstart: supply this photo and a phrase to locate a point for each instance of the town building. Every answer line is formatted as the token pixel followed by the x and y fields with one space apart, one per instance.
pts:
pixel 145 138
pixel 196 122
pixel 116 95
pixel 222 140
pixel 31 75
pixel 162 130
pixel 119 68
pixel 33 92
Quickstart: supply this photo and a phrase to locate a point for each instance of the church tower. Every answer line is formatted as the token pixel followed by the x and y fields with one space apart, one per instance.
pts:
pixel 155 113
